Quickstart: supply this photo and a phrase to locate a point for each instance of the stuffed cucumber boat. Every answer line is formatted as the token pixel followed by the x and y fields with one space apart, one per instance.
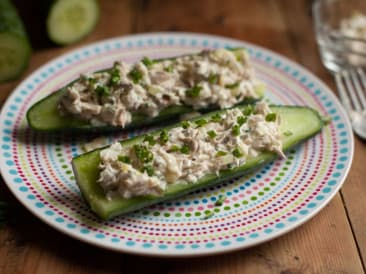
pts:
pixel 131 95
pixel 196 153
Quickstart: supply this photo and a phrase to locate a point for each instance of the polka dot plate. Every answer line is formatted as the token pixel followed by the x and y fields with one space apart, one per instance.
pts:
pixel 261 206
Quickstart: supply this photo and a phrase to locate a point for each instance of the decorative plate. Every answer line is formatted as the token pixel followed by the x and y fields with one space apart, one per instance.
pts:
pixel 259 207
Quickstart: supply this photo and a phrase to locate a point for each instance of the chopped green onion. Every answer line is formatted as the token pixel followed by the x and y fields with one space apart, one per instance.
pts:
pixel 248 110
pixel 169 68
pixel 212 134
pixel 164 137
pixel 200 122
pixel 174 148
pixel 237 153
pixel 213 78
pixel 92 81
pixel 185 124
pixel 241 120
pixel 143 153
pixel 135 75
pixel 194 91
pixel 115 74
pixel 115 80
pixel 221 153
pixel 208 214
pixel 232 86
pixel 149 170
pixel 220 201
pixel 147 61
pixel 124 159
pixel 102 90
pixel 236 130
pixel 271 117
pixel 287 133
pixel 150 139
pixel 185 149
pixel 216 118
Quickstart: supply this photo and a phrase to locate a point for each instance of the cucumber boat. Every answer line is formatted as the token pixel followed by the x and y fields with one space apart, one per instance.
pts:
pixel 129 96
pixel 296 125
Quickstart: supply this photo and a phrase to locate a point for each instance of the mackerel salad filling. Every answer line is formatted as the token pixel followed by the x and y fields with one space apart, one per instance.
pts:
pixel 186 153
pixel 220 78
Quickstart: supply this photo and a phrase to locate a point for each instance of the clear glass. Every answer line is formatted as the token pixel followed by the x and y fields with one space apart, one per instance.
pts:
pixel 339 49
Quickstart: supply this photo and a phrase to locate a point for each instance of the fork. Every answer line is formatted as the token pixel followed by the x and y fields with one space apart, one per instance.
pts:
pixel 351 84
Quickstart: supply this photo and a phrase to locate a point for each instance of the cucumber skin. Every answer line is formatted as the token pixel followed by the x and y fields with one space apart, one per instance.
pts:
pixel 11 23
pixel 85 167
pixel 70 123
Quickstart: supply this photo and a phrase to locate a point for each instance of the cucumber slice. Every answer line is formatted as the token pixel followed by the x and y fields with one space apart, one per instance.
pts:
pixel 69 21
pixel 301 121
pixel 14 45
pixel 44 115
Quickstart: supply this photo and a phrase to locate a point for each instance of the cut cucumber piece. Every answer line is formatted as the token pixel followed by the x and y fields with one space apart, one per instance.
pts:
pixel 15 48
pixel 302 122
pixel 44 115
pixel 69 21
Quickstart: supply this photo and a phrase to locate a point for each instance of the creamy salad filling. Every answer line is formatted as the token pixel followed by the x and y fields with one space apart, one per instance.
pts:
pixel 220 78
pixel 186 153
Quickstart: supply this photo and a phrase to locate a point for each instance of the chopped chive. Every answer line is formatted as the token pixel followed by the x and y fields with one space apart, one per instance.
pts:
pixel 114 80
pixel 241 120
pixel 185 124
pixel 236 130
pixel 124 159
pixel 208 214
pixel 220 153
pixel 164 137
pixel 248 110
pixel 212 134
pixel 194 91
pixel 174 148
pixel 150 139
pixel 271 117
pixel 147 61
pixel 135 75
pixel 287 133
pixel 237 153
pixel 185 149
pixel 216 118
pixel 143 153
pixel 200 122
pixel 220 201
pixel 213 78
pixel 102 90
pixel 169 68
pixel 232 86
pixel 92 81
pixel 149 170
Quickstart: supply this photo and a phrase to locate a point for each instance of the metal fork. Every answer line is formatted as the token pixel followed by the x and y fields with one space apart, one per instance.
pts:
pixel 351 85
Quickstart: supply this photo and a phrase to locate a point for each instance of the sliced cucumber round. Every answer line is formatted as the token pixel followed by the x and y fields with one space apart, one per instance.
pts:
pixel 15 48
pixel 69 21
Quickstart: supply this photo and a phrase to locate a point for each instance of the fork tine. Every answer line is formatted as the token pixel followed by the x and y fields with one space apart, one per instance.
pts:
pixel 356 76
pixel 362 75
pixel 351 90
pixel 342 92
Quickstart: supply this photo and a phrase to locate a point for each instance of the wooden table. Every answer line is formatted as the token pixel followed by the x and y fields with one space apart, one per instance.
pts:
pixel 332 242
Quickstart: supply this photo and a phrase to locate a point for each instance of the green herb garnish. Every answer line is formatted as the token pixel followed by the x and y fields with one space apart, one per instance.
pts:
pixel 220 153
pixel 216 118
pixel 236 130
pixel 143 153
pixel 185 124
pixel 213 78
pixel 135 75
pixel 241 120
pixel 147 61
pixel 92 81
pixel 212 134
pixel 164 137
pixel 271 117
pixel 174 148
pixel 232 86
pixel 200 122
pixel 124 159
pixel 248 110
pixel 220 201
pixel 237 153
pixel 169 68
pixel 194 91
pixel 102 90
pixel 185 149
pixel 115 76
pixel 150 139
pixel 149 170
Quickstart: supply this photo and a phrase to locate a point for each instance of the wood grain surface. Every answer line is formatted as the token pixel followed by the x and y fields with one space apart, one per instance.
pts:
pixel 334 241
